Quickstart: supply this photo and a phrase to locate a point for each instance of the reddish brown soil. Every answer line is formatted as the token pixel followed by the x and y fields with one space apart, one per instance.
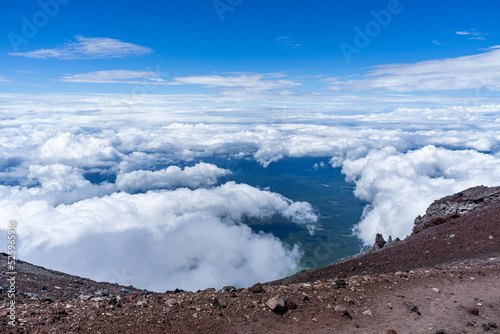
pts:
pixel 453 282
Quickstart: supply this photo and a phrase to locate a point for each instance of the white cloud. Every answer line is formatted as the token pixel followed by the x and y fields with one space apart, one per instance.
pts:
pixel 116 76
pixel 74 150
pixel 473 34
pixel 462 73
pixel 3 79
pixel 200 175
pixel 400 186
pixel 183 238
pixel 88 48
pixel 263 81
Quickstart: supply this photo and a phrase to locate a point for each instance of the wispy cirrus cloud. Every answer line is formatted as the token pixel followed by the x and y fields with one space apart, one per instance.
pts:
pixel 3 79
pixel 244 86
pixel 260 81
pixel 116 76
pixel 286 42
pixel 472 34
pixel 88 48
pixel 478 71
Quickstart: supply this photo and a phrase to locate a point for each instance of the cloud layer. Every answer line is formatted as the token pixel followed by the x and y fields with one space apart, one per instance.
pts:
pixel 93 177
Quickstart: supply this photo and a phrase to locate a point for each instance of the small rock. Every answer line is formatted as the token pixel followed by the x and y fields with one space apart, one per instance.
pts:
pixel 340 283
pixel 452 236
pixel 435 290
pixel 303 297
pixel 176 291
pixel 256 288
pixel 99 293
pixel 125 290
pixel 349 300
pixel 84 297
pixel 228 288
pixel 490 237
pixel 368 313
pixel 342 310
pixel 441 331
pixel 411 307
pixel 142 303
pixel 171 302
pixel 492 325
pixel 195 315
pixel 32 295
pixel 400 295
pixel 473 311
pixel 392 331
pixel 277 305
pixel 314 319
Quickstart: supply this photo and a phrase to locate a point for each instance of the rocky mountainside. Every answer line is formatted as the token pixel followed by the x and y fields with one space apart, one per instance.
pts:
pixel 448 208
pixel 444 278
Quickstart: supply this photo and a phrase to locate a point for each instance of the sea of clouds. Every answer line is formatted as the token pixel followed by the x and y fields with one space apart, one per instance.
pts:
pixel 116 189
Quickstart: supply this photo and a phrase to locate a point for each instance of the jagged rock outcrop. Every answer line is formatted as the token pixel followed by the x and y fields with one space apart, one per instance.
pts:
pixel 379 241
pixel 454 206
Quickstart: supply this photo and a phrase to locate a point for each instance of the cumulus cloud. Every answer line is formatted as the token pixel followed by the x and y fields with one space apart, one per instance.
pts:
pixel 461 73
pixel 116 76
pixel 78 150
pixel 182 238
pixel 400 186
pixel 200 175
pixel 88 48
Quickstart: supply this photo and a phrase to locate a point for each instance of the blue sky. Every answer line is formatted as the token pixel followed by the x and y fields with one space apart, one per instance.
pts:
pixel 188 38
